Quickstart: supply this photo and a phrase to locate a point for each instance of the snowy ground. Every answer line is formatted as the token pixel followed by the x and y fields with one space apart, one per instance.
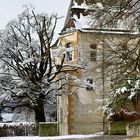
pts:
pixel 98 136
pixel 65 137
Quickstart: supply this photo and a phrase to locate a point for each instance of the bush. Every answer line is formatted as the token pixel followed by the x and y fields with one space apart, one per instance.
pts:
pixel 123 115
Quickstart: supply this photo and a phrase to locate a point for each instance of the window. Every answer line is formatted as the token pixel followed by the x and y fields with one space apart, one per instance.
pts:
pixel 68 55
pixel 69 52
pixel 93 52
pixel 79 56
pixel 92 56
pixel 89 84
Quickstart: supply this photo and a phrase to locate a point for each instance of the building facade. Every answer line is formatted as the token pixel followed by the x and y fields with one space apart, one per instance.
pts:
pixel 81 106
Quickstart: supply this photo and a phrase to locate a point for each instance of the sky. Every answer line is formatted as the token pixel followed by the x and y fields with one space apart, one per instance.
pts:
pixel 9 9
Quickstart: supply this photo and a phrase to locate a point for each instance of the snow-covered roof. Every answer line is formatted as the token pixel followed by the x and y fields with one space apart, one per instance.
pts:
pixel 95 16
pixel 119 32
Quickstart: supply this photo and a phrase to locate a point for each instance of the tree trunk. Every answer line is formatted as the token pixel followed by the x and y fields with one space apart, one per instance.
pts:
pixel 39 111
pixel 137 107
pixel 136 103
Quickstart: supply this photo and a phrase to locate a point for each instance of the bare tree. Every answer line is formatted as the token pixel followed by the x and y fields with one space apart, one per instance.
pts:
pixel 122 67
pixel 117 15
pixel 30 74
pixel 121 54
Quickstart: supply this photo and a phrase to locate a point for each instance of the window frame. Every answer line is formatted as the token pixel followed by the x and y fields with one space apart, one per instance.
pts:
pixel 69 52
pixel 93 52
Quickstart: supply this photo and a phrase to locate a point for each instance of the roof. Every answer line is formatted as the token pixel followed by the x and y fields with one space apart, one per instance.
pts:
pixel 93 14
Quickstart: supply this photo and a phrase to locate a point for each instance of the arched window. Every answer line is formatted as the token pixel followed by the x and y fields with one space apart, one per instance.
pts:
pixel 69 52
pixel 93 52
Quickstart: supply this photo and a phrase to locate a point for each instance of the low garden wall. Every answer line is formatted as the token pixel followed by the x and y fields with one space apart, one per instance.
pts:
pixel 48 129
pixel 121 123
pixel 18 129
pixel 117 128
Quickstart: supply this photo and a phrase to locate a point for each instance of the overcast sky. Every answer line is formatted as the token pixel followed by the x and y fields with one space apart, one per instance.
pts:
pixel 9 9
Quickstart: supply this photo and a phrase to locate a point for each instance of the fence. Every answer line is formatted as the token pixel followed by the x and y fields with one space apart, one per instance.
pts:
pixel 18 129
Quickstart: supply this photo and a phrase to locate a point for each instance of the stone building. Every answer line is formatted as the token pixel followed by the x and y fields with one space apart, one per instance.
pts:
pixel 83 36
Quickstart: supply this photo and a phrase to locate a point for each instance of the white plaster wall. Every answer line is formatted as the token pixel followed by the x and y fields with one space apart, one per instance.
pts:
pixel 88 117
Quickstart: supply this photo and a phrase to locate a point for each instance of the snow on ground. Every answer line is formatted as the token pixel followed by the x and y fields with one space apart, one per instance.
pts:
pixel 65 137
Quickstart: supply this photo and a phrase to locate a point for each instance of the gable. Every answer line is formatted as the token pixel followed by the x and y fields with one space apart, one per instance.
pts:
pixel 70 24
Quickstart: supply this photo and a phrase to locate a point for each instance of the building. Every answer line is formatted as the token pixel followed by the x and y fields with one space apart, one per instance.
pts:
pixel 83 37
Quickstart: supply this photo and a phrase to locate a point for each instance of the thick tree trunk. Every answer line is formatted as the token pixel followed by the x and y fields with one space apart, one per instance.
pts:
pixel 39 111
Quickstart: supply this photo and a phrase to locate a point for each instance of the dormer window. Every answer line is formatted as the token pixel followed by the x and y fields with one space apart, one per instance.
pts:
pixel 69 52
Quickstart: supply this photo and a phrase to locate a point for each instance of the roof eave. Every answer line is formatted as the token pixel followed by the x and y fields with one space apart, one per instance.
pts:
pixel 107 31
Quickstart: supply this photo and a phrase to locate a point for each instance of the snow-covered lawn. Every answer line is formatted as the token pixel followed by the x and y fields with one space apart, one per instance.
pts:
pixel 65 137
